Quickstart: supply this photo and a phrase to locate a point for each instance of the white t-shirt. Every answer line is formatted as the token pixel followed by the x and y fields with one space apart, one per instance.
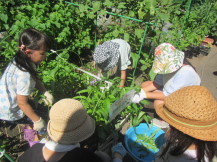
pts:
pixel 125 54
pixel 14 81
pixel 185 76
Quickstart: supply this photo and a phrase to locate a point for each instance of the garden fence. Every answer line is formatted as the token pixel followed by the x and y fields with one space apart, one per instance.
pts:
pixel 147 24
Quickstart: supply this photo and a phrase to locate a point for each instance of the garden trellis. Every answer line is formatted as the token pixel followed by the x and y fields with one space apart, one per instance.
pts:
pixel 147 24
pixel 126 17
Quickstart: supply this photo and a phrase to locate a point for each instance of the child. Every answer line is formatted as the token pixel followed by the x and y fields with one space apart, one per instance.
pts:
pixel 113 57
pixel 172 74
pixel 20 78
pixel 192 115
pixel 69 125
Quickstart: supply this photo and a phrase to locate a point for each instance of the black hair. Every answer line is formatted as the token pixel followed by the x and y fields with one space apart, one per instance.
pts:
pixel 33 40
pixel 178 142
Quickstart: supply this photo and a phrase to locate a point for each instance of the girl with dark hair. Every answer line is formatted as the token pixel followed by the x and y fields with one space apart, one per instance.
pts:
pixel 192 115
pixel 20 78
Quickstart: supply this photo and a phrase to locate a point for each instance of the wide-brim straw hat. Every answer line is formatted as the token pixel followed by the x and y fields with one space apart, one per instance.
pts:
pixel 69 123
pixel 107 55
pixel 193 111
pixel 167 59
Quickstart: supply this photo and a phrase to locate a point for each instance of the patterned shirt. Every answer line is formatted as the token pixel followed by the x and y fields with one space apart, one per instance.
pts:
pixel 14 82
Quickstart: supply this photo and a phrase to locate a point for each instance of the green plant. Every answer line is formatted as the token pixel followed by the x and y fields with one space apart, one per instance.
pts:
pixel 145 143
pixel 75 29
pixel 98 102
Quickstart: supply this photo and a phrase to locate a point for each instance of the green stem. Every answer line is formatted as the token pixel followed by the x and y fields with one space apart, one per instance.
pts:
pixel 140 49
pixel 94 109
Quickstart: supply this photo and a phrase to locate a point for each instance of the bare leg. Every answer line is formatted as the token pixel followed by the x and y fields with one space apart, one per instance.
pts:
pixel 146 83
pixel 157 102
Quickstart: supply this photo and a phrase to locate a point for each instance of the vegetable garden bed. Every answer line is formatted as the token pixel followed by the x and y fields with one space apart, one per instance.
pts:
pixel 74 29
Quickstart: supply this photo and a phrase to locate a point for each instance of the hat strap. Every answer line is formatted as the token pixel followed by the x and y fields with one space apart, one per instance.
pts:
pixel 204 125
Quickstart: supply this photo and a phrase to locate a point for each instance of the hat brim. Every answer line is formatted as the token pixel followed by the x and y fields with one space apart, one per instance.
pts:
pixel 206 134
pixel 165 68
pixel 110 63
pixel 107 55
pixel 81 133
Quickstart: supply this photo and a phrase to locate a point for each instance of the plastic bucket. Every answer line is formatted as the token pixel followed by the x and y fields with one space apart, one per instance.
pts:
pixel 134 148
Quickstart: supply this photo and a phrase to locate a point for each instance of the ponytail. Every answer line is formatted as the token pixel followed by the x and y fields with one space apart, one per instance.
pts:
pixel 33 40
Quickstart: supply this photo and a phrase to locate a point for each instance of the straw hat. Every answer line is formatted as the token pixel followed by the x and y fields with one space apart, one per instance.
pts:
pixel 107 55
pixel 69 123
pixel 193 111
pixel 167 59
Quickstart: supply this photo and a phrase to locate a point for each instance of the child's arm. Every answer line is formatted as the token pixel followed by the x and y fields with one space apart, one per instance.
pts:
pixel 148 91
pixel 26 108
pixel 156 95
pixel 123 77
pixel 28 111
pixel 149 86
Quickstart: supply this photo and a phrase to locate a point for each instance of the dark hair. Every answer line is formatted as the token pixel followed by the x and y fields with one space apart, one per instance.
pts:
pixel 33 40
pixel 178 142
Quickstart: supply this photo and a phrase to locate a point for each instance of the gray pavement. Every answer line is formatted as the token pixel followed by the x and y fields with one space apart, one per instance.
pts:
pixel 205 66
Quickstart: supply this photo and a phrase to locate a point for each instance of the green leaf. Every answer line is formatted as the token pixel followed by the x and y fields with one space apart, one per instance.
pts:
pixel 141 14
pixel 91 15
pixel 96 6
pixel 79 97
pixel 83 91
pixel 121 5
pixel 126 37
pixel 81 8
pixel 141 114
pixel 163 16
pixel 107 104
pixel 57 24
pixel 67 69
pixel 152 74
pixel 139 32
pixel 115 33
pixel 4 17
pixel 135 58
pixel 29 8
pixel 108 3
pixel 6 26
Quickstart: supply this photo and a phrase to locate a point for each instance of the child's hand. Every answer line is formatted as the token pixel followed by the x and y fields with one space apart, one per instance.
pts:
pixel 38 125
pixel 139 96
pixel 48 100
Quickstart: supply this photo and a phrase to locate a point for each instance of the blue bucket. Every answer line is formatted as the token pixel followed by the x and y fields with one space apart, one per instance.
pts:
pixel 134 148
